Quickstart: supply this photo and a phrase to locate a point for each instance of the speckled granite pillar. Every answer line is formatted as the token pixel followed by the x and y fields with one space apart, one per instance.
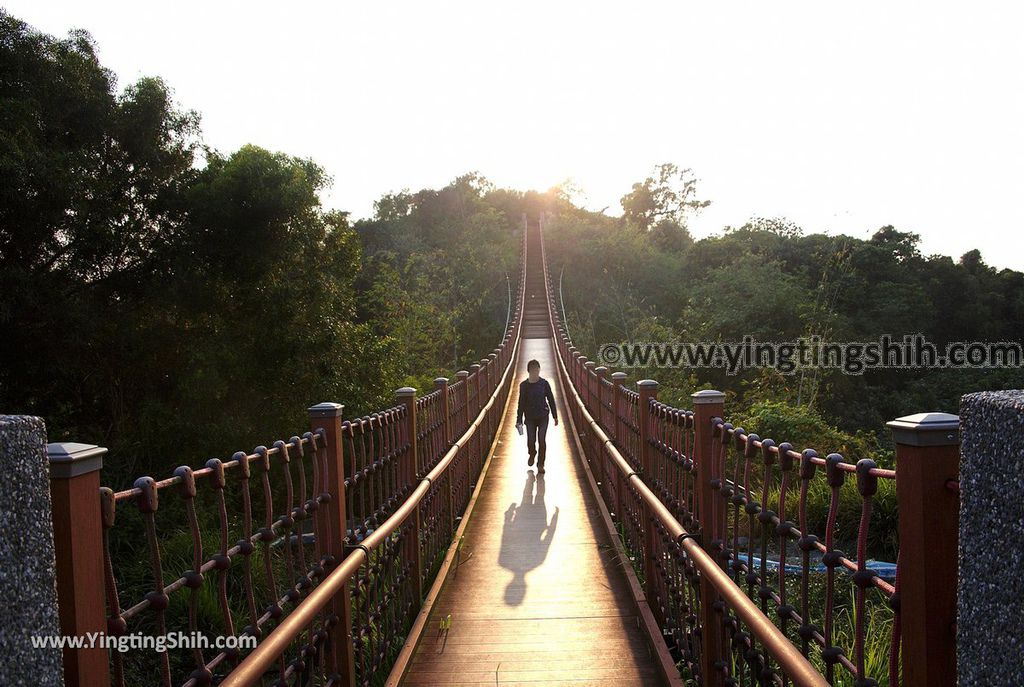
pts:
pixel 990 622
pixel 28 589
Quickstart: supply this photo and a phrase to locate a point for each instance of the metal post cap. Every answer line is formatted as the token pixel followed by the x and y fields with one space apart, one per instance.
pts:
pixel 71 459
pixel 707 396
pixel 326 409
pixel 405 391
pixel 647 384
pixel 926 429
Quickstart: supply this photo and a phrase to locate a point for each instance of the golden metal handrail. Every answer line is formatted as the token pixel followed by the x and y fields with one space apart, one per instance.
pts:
pixel 793 663
pixel 264 656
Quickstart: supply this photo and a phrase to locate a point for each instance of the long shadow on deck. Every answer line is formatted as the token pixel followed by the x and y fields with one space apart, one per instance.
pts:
pixel 526 537
pixel 539 599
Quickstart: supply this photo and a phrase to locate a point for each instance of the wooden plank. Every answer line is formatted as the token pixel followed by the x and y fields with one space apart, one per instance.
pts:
pixel 500 674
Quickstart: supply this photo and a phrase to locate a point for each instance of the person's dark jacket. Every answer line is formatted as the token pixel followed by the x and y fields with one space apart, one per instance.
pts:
pixel 535 400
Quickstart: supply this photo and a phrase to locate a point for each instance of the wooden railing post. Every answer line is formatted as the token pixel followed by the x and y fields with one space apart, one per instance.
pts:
pixel 619 378
pixel 492 382
pixel 648 389
pixel 78 544
pixel 495 357
pixel 601 373
pixel 477 373
pixel 485 384
pixel 333 519
pixel 581 380
pixel 927 457
pixel 407 396
pixel 474 379
pixel 462 376
pixel 570 367
pixel 589 378
pixel 441 384
pixel 707 405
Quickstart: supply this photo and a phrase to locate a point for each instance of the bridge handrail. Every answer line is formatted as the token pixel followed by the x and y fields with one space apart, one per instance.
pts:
pixel 265 655
pixel 347 485
pixel 796 666
pixel 730 487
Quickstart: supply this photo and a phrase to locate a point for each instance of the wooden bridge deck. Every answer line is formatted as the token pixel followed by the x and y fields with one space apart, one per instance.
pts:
pixel 539 598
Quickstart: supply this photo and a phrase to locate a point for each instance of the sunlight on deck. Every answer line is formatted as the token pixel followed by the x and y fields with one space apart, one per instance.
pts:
pixel 539 598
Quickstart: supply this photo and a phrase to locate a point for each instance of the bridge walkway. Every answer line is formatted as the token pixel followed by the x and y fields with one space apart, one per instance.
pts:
pixel 539 597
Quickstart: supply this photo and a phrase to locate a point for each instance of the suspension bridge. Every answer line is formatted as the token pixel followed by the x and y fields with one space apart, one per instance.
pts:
pixel 415 545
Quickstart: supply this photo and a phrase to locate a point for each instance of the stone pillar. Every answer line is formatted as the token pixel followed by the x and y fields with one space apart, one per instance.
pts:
pixel 990 607
pixel 28 585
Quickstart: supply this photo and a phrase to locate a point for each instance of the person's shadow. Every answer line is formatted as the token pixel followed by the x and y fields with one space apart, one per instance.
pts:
pixel 526 537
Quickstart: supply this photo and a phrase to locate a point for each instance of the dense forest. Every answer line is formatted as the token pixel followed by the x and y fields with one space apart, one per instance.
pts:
pixel 175 302
pixel 163 298
pixel 642 277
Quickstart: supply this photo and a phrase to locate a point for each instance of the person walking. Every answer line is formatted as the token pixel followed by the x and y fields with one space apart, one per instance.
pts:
pixel 535 402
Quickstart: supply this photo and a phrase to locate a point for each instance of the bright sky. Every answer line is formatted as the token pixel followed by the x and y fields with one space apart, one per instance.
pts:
pixel 842 118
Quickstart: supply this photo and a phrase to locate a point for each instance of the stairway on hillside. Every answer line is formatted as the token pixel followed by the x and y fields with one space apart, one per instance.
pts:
pixel 535 311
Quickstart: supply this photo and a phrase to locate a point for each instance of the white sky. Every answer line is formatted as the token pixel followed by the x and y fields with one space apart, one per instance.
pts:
pixel 840 118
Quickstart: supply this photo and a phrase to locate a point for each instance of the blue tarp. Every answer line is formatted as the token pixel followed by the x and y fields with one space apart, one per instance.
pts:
pixel 887 571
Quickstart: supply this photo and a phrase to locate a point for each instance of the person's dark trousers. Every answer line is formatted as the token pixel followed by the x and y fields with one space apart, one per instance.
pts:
pixel 535 431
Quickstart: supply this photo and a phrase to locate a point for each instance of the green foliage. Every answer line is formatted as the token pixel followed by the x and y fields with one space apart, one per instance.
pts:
pixel 748 280
pixel 173 302
pixel 666 196
pixel 770 280
pixel 878 626
pixel 803 427
pixel 441 266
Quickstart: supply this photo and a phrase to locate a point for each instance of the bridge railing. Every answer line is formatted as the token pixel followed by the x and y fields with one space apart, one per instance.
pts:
pixel 322 546
pixel 747 586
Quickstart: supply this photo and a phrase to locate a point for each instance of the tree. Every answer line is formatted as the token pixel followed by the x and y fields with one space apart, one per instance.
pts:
pixel 902 245
pixel 973 262
pixel 670 237
pixel 90 195
pixel 669 194
pixel 149 304
pixel 88 178
pixel 776 225
pixel 435 268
